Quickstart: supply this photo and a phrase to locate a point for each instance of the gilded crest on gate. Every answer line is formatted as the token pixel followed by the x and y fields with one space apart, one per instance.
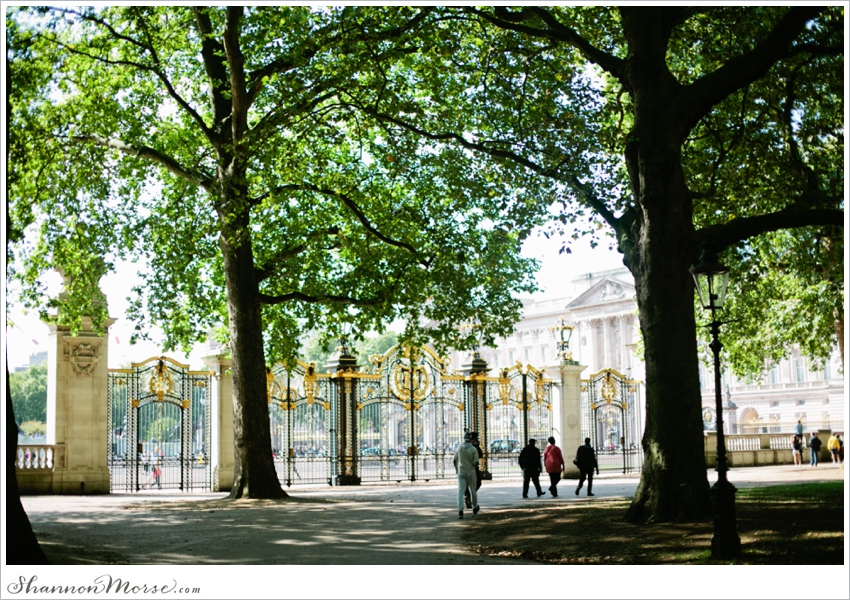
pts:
pixel 407 378
pixel 160 382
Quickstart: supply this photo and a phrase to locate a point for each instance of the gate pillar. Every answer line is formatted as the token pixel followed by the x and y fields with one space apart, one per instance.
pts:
pixel 476 406
pixel 344 367
pixel 570 415
pixel 222 449
pixel 77 373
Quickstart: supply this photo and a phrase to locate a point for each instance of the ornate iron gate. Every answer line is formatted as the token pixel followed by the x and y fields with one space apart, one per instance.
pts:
pixel 159 415
pixel 518 407
pixel 302 411
pixel 612 419
pixel 410 417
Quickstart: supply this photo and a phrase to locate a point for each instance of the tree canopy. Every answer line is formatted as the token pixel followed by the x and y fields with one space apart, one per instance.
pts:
pixel 219 144
pixel 676 129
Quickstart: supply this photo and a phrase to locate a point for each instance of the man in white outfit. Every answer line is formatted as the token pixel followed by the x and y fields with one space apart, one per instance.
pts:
pixel 466 458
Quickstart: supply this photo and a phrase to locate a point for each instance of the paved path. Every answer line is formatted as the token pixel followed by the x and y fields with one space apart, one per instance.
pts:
pixel 368 525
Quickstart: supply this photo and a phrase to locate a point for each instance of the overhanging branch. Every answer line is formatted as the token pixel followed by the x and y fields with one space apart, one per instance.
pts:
pixel 726 234
pixel 150 154
pixel 358 213
pixel 319 299
pixel 271 266
pixel 571 180
pixel 556 31
pixel 707 91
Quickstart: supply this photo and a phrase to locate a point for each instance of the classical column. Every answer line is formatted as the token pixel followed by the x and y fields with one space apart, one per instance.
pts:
pixel 571 437
pixel 608 359
pixel 77 398
pixel 222 451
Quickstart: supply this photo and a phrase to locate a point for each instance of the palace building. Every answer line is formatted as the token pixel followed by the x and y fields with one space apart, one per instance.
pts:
pixel 603 310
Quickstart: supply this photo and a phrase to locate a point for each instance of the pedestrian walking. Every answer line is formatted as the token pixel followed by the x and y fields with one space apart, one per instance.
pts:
pixel 465 460
pixel 553 460
pixel 834 448
pixel 814 449
pixel 586 463
pixel 531 465
pixel 479 475
pixel 797 449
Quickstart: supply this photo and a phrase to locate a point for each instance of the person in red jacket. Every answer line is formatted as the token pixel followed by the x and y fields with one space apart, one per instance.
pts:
pixel 553 460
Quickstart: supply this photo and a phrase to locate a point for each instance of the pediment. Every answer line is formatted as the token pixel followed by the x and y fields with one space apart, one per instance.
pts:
pixel 605 291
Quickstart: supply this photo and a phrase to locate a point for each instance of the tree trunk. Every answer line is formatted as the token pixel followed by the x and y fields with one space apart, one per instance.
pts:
pixel 839 333
pixel 22 547
pixel 254 473
pixel 673 484
pixel 661 247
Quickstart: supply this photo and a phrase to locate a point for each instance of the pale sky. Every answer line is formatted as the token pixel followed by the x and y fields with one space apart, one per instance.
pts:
pixel 29 335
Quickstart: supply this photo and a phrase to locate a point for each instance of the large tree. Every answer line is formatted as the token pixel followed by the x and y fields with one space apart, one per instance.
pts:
pixel 218 144
pixel 674 128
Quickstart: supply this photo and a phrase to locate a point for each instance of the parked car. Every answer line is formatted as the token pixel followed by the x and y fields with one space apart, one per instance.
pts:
pixel 505 446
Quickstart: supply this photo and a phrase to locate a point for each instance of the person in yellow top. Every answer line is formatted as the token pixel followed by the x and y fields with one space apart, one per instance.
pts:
pixel 834 446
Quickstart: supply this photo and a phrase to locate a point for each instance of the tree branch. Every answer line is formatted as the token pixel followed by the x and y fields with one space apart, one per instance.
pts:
pixel 211 53
pixel 271 266
pixel 555 31
pixel 137 65
pixel 723 235
pixel 571 180
pixel 236 63
pixel 163 160
pixel 353 207
pixel 699 97
pixel 319 298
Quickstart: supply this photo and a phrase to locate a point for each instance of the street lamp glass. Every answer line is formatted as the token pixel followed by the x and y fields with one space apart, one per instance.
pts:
pixel 712 280
pixel 562 333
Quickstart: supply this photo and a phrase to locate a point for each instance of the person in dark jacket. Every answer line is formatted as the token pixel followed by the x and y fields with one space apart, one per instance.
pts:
pixel 531 465
pixel 586 463
pixel 814 449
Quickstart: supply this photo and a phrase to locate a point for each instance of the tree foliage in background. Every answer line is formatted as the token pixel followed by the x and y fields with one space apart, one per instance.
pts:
pixel 29 394
pixel 787 294
pixel 673 128
pixel 219 144
pixel 318 349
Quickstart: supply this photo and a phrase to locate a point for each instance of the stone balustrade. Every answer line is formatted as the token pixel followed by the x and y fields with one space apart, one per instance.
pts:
pixel 748 450
pixel 38 457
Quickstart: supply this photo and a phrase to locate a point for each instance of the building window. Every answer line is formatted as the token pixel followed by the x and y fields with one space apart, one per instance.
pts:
pixel 800 402
pixel 774 374
pixel 543 355
pixel 511 357
pixel 826 373
pixel 774 403
pixel 801 372
pixel 528 355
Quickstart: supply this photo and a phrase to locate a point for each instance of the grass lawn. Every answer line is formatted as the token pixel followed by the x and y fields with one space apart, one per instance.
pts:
pixel 778 525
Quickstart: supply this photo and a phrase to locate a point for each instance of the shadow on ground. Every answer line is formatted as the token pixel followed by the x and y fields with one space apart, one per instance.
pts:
pixel 794 525
pixel 255 532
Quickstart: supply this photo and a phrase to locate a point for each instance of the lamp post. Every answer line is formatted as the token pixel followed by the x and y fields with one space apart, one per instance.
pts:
pixel 562 333
pixel 712 278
